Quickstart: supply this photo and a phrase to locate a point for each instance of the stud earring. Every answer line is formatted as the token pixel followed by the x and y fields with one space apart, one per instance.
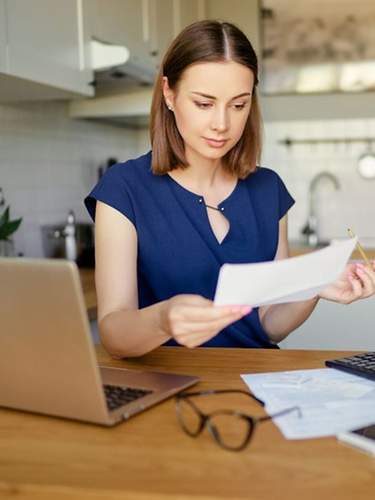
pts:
pixel 169 107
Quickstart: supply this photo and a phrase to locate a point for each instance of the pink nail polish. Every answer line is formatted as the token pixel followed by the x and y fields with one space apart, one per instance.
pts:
pixel 246 310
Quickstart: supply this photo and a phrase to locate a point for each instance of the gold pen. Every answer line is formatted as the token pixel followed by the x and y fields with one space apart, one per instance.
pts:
pixel 361 251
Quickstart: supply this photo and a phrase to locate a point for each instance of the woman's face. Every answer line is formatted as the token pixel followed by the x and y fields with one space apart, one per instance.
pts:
pixel 211 105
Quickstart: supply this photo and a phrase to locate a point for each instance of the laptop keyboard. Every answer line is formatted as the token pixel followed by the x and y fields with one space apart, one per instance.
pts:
pixel 359 364
pixel 119 396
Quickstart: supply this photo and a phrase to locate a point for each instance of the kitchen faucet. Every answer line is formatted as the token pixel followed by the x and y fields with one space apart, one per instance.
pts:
pixel 310 228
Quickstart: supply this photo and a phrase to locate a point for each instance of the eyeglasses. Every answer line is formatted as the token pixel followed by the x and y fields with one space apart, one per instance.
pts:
pixel 231 429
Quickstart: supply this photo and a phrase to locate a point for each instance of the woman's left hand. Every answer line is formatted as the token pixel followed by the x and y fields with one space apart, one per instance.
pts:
pixel 356 282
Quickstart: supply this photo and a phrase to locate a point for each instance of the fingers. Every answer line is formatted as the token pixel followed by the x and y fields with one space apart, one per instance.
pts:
pixel 192 300
pixel 209 312
pixel 193 339
pixel 214 325
pixel 366 279
pixel 192 320
pixel 194 308
pixel 356 289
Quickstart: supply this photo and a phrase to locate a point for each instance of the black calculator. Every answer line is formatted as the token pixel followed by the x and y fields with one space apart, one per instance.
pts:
pixel 359 364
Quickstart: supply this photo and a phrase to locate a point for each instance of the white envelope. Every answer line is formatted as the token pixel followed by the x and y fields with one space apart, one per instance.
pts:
pixel 287 280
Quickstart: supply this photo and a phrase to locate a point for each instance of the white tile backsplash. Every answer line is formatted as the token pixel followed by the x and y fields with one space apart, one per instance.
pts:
pixel 353 204
pixel 48 163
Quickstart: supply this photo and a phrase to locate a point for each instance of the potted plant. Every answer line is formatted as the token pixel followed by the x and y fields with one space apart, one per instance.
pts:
pixel 7 228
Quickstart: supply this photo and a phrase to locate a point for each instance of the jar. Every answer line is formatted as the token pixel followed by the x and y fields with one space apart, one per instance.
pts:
pixel 7 248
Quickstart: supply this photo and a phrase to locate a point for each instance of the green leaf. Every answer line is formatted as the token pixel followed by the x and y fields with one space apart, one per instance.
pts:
pixel 9 228
pixel 4 218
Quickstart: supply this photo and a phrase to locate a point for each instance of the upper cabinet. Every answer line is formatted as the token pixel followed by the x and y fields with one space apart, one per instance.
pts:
pixel 122 22
pixel 45 44
pixel 187 12
pixel 244 13
pixel 44 51
pixel 167 18
pixel 145 27
pixel 2 36
pixel 160 17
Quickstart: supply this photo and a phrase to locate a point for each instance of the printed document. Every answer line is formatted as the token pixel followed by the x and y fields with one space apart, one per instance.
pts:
pixel 287 280
pixel 331 401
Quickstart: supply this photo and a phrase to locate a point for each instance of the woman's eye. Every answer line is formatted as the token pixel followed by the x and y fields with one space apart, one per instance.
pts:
pixel 203 105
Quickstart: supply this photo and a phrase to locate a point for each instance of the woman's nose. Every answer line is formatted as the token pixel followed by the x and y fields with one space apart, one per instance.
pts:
pixel 220 120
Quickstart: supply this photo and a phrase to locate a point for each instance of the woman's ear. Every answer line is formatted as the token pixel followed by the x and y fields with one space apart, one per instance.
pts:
pixel 167 93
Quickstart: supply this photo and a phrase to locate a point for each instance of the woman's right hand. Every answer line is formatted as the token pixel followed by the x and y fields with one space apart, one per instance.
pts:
pixel 192 320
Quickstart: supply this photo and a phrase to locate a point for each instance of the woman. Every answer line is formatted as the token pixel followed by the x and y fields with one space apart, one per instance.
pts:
pixel 167 221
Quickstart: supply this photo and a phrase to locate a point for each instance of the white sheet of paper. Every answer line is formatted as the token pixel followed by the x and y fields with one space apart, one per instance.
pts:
pixel 287 280
pixel 331 401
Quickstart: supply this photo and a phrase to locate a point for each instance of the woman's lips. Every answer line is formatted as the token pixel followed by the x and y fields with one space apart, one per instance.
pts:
pixel 215 143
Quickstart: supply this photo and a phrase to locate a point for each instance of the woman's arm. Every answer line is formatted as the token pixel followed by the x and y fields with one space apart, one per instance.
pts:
pixel 124 329
pixel 278 320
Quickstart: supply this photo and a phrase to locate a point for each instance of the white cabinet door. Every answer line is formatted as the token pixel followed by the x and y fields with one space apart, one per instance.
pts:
pixel 2 36
pixel 185 13
pixel 159 14
pixel 122 22
pixel 47 43
pixel 115 21
pixel 337 327
pixel 244 13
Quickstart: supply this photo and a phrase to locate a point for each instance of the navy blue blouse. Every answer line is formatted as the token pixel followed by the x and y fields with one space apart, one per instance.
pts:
pixel 178 252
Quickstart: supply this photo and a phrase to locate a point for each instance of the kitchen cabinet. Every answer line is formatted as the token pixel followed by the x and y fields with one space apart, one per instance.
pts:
pixel 161 32
pixel 2 36
pixel 145 27
pixel 46 47
pixel 245 14
pixel 334 326
pixel 186 13
pixel 122 22
pixel 166 18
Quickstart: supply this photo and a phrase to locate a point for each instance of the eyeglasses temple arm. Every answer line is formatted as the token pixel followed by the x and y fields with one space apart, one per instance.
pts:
pixel 219 391
pixel 279 413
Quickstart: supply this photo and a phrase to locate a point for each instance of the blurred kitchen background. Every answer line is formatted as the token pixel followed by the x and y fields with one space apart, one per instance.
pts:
pixel 75 89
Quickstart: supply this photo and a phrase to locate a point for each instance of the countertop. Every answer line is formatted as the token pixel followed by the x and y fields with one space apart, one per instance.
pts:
pixel 300 249
pixel 88 286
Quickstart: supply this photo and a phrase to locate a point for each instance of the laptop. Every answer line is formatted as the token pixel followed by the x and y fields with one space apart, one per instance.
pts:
pixel 48 363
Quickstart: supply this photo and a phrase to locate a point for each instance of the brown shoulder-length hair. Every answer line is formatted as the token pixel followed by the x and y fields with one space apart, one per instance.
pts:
pixel 203 41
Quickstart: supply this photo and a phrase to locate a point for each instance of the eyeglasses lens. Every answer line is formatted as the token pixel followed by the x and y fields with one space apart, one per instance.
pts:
pixel 231 430
pixel 188 417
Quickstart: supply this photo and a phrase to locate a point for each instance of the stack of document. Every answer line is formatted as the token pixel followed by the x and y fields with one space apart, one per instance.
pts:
pixel 287 280
pixel 331 401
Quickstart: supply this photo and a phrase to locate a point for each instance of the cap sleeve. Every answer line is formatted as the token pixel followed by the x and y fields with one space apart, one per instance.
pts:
pixel 285 199
pixel 112 190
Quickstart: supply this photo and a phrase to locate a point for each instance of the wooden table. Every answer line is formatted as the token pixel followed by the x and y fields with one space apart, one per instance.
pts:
pixel 87 277
pixel 149 457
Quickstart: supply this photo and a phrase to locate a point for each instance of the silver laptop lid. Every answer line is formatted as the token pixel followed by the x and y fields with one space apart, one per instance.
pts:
pixel 48 360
